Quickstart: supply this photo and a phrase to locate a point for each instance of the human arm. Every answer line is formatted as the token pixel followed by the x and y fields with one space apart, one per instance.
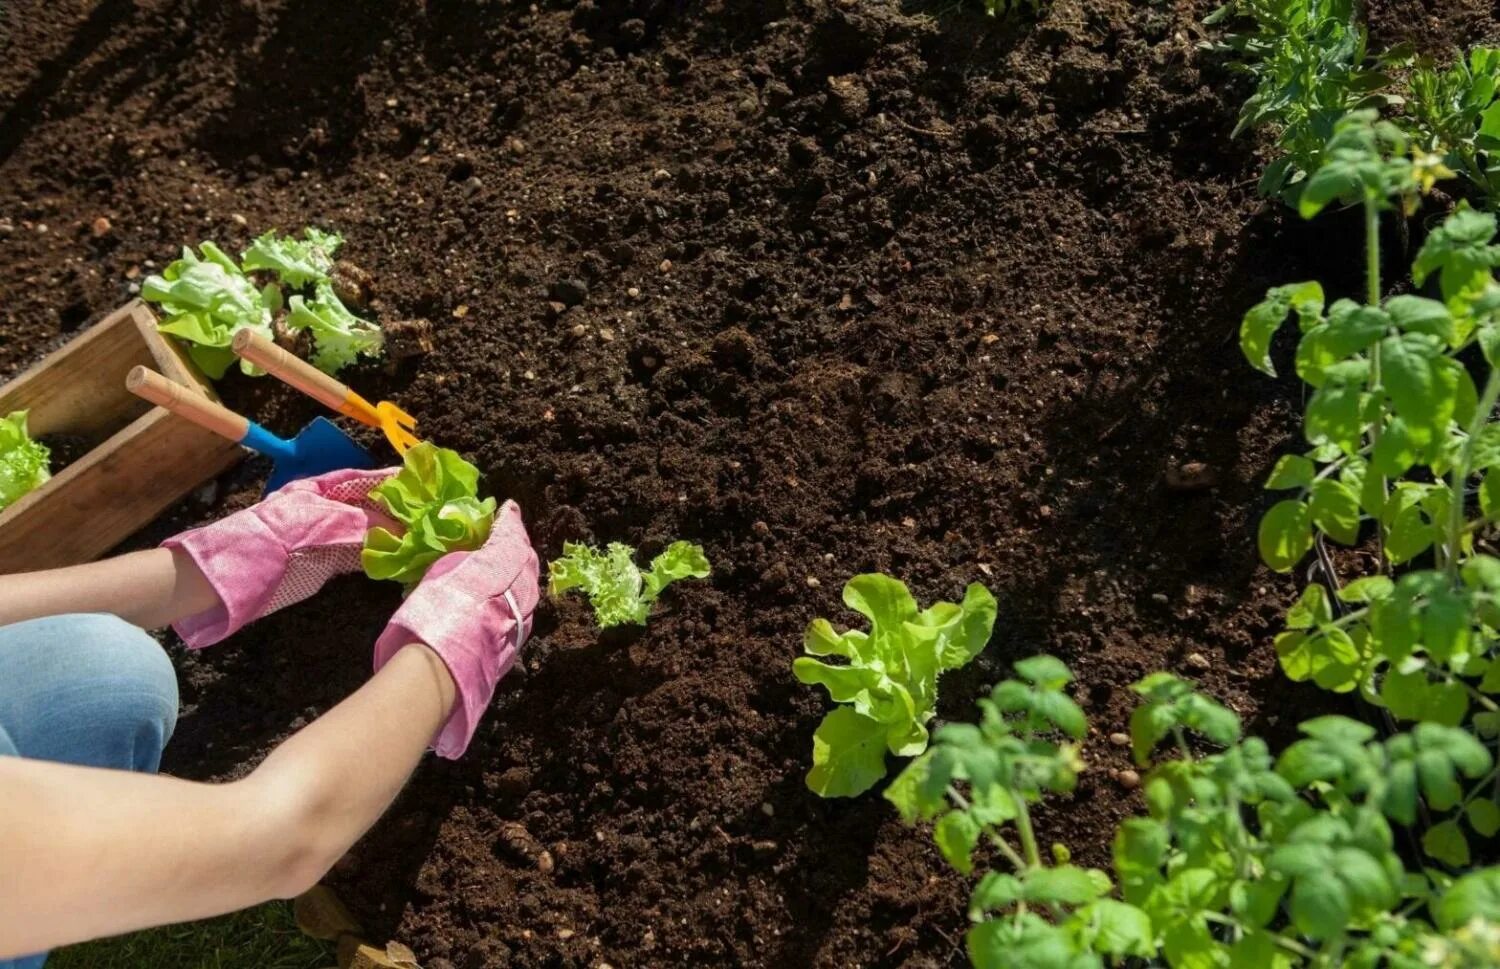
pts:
pixel 142 850
pixel 150 589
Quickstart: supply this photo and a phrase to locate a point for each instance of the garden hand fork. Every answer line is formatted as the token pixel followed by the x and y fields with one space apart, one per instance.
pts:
pixel 398 425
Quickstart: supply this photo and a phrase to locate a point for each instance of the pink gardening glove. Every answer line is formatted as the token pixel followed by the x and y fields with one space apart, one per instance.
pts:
pixel 474 610
pixel 281 550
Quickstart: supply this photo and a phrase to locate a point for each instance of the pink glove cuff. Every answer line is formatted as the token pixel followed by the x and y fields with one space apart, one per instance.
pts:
pixel 225 552
pixel 474 610
pixel 279 551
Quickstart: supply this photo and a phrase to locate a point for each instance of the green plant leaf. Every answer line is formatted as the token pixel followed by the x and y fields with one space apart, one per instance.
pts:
pixel 1474 896
pixel 848 754
pixel 1334 507
pixel 1484 816
pixel 296 262
pixel 1265 318
pixel 1291 471
pixel 1285 534
pixel 1445 841
pixel 339 337
pixel 957 834
pixel 435 495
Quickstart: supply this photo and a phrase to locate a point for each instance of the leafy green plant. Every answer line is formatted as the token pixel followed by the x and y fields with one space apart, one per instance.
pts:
pixel 889 677
pixel 1311 66
pixel 435 495
pixel 1399 435
pixel 296 262
pixel 338 335
pixel 1455 112
pixel 207 300
pixel 617 589
pixel 1244 860
pixel 24 463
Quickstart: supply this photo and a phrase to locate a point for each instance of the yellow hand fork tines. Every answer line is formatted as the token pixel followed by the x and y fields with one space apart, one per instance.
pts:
pixel 398 425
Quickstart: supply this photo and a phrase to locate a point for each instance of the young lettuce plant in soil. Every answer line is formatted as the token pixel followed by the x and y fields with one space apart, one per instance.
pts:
pixel 1311 66
pixel 619 592
pixel 889 677
pixel 208 299
pixel 1242 861
pixel 436 496
pixel 24 463
pixel 1400 437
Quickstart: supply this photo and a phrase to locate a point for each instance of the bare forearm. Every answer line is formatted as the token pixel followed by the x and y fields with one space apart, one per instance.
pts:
pixel 92 852
pixel 151 589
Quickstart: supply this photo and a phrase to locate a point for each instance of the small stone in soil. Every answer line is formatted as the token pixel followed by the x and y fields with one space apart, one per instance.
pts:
pixel 1191 476
pixel 1120 739
pixel 1128 779
pixel 1198 661
pixel 101 227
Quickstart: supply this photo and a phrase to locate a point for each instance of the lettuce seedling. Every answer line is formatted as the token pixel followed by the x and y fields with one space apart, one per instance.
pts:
pixel 296 262
pixel 207 300
pixel 890 679
pixel 435 495
pixel 617 589
pixel 23 462
pixel 338 335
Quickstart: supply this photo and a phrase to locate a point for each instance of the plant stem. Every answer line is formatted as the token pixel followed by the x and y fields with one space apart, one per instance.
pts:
pixel 1028 836
pixel 1372 297
pixel 1461 471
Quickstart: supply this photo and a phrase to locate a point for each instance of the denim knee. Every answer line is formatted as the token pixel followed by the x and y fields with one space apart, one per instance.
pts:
pixel 86 689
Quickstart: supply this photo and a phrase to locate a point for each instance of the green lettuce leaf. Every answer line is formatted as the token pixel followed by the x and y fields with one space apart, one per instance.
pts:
pixel 296 262
pixel 890 678
pixel 617 589
pixel 206 300
pixel 338 335
pixel 23 462
pixel 435 495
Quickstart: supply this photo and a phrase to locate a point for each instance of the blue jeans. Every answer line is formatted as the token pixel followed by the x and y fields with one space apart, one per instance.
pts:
pixel 84 689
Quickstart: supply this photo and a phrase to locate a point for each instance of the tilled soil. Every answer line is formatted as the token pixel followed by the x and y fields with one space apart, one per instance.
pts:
pixel 829 288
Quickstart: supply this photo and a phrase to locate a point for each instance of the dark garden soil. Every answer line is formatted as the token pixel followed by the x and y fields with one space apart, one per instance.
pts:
pixel 827 287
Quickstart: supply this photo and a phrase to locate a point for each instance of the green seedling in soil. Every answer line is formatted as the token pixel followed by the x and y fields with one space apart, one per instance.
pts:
pixel 207 300
pixel 1455 112
pixel 436 496
pixel 339 337
pixel 1311 66
pixel 619 592
pixel 24 463
pixel 1243 860
pixel 1400 436
pixel 296 262
pixel 889 677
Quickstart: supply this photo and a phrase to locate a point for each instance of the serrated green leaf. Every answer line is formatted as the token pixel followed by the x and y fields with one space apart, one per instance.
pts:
pixel 1445 841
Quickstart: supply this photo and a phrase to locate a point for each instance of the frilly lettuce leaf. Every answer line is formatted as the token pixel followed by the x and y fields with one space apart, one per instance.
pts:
pixel 23 462
pixel 296 262
pixel 619 592
pixel 338 335
pixel 206 301
pixel 888 676
pixel 435 495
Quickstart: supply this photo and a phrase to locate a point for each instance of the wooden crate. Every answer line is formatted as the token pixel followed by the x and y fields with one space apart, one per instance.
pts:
pixel 142 458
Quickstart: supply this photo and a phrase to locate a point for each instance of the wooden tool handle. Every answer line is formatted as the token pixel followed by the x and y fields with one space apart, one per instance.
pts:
pixel 180 400
pixel 293 370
